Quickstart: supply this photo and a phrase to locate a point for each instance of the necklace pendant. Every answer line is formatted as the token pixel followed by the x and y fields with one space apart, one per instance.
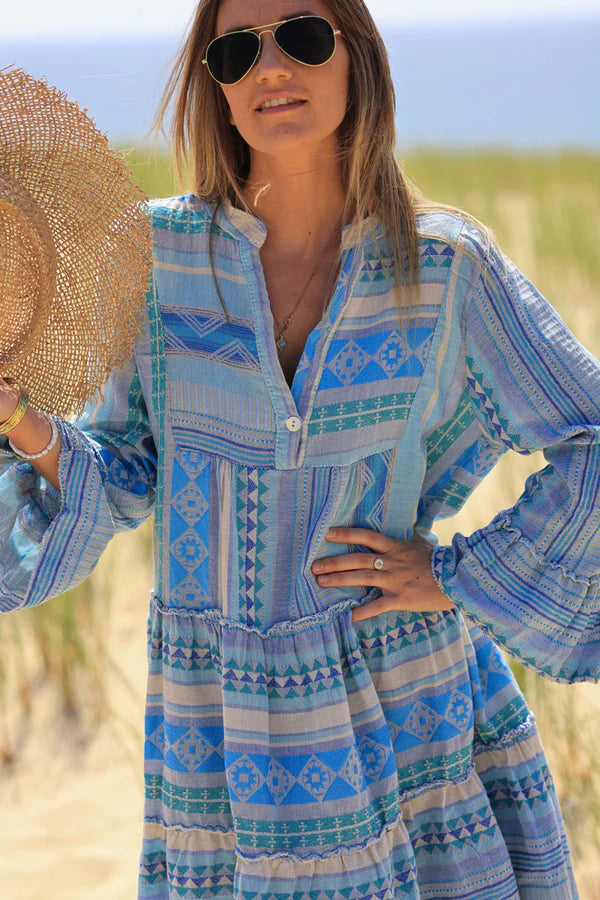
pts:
pixel 281 343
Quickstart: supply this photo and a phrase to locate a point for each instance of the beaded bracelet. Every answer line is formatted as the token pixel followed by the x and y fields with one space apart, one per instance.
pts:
pixel 50 446
pixel 16 417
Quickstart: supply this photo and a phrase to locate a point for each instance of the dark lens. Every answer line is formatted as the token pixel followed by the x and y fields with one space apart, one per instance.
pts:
pixel 310 39
pixel 231 55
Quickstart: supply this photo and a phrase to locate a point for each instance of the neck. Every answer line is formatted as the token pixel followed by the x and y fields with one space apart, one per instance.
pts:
pixel 301 205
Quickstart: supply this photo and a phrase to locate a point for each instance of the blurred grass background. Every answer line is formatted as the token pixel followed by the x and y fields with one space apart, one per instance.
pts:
pixel 545 211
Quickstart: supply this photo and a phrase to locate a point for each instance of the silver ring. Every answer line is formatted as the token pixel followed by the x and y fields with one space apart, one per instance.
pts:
pixel 378 564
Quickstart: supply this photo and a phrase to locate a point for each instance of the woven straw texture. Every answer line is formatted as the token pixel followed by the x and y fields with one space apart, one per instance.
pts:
pixel 75 248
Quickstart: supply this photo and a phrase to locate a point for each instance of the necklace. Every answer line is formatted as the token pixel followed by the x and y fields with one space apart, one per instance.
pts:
pixel 281 342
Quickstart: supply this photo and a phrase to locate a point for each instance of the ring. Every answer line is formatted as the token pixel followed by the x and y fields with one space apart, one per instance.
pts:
pixel 378 564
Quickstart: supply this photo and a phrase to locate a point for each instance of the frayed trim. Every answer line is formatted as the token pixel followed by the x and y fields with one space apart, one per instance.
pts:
pixel 338 851
pixel 296 626
pixel 150 820
pixel 550 672
pixel 540 557
pixel 514 736
pixel 559 673
pixel 504 523
pixel 415 792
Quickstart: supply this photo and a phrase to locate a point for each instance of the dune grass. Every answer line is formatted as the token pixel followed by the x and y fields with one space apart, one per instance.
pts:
pixel 545 211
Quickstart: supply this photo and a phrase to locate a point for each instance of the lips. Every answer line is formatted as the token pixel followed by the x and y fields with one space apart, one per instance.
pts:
pixel 282 106
pixel 276 95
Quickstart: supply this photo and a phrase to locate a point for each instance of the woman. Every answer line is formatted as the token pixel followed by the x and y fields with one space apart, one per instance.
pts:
pixel 321 351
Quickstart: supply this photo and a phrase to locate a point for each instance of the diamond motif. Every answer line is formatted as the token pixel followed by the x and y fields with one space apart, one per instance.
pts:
pixel 422 721
pixel 349 362
pixel 190 504
pixel 391 353
pixel 420 341
pixel 190 593
pixel 120 475
pixel 193 461
pixel 192 749
pixel 351 771
pixel 459 711
pixel 374 756
pixel 243 778
pixel 316 777
pixel 279 781
pixel 159 738
pixel 189 550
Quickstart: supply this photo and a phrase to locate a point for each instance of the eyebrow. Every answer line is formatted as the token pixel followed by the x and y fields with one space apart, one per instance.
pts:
pixel 303 12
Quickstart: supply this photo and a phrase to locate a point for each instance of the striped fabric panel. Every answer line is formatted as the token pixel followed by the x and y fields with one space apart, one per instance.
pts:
pixel 253 782
pixel 532 576
pixel 107 484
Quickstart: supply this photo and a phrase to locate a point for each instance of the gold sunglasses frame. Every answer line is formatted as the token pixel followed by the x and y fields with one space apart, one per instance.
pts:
pixel 268 28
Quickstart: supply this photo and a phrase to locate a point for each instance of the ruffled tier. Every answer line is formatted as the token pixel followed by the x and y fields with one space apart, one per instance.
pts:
pixel 385 758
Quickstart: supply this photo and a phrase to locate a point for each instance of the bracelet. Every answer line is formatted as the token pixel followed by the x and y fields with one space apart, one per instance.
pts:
pixel 16 417
pixel 50 446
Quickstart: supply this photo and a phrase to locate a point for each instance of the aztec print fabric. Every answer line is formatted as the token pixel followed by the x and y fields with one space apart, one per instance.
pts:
pixel 291 752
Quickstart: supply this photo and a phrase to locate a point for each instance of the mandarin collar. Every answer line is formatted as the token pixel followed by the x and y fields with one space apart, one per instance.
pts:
pixel 255 230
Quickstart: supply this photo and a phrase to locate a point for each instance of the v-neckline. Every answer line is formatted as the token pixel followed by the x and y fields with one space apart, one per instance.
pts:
pixel 254 231
pixel 295 389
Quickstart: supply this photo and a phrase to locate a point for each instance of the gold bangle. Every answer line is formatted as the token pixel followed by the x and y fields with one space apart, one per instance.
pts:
pixel 16 416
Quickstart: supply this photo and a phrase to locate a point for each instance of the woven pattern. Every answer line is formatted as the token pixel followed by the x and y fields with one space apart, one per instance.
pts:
pixel 75 248
pixel 290 752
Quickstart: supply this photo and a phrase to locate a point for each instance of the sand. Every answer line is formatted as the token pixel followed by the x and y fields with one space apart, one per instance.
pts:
pixel 72 803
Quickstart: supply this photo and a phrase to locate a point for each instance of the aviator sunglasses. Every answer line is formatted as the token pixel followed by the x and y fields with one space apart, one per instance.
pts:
pixel 309 40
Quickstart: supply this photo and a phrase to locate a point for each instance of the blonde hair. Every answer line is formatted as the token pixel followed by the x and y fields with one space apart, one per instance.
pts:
pixel 202 135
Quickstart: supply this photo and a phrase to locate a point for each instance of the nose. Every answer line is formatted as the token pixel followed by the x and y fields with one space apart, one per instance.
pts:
pixel 272 60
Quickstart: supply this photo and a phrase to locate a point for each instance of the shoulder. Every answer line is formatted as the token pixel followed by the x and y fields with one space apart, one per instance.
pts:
pixel 467 247
pixel 184 213
pixel 457 231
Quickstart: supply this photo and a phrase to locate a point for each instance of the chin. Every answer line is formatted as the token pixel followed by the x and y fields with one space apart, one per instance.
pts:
pixel 288 141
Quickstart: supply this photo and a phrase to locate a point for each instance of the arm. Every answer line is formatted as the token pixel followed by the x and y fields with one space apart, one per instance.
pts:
pixel 531 577
pixel 31 435
pixel 50 539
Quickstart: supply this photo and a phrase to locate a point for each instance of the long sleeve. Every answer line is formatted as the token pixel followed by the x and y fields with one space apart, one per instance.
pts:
pixel 531 577
pixel 51 540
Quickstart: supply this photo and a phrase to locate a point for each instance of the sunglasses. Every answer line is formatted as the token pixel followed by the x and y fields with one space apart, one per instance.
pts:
pixel 309 40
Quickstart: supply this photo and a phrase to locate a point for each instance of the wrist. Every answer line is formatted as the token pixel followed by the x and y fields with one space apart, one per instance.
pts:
pixel 9 424
pixel 9 400
pixel 32 433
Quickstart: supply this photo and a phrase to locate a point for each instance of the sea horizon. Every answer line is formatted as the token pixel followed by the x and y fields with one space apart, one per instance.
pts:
pixel 522 85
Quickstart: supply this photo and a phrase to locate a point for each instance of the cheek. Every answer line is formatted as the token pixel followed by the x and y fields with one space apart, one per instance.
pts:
pixel 233 105
pixel 342 81
pixel 340 92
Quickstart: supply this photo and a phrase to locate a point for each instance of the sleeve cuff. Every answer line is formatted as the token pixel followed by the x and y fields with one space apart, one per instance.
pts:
pixel 544 615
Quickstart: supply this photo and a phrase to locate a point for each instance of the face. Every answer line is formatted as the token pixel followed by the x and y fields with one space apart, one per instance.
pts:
pixel 324 88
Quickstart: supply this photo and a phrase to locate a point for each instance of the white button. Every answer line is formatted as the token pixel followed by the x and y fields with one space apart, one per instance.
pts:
pixel 293 423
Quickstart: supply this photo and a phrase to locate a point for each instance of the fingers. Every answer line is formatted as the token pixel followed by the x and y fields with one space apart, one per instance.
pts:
pixel 372 608
pixel 345 561
pixel 364 537
pixel 358 576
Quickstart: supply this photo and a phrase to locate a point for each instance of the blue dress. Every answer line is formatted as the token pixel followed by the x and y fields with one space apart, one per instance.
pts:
pixel 289 751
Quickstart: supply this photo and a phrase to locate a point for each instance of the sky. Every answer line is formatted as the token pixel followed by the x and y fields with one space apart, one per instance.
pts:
pixel 39 19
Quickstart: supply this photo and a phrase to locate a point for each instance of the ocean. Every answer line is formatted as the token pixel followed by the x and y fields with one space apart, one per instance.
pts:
pixel 518 85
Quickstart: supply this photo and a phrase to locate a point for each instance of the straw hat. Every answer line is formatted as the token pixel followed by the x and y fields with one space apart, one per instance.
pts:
pixel 75 248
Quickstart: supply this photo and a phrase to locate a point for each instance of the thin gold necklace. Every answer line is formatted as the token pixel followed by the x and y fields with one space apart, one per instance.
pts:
pixel 281 342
